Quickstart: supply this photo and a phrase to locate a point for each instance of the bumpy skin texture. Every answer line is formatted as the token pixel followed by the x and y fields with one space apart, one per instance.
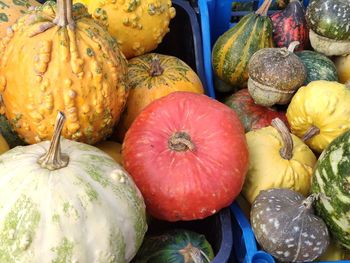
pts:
pixel 188 183
pixel 232 50
pixel 11 10
pixel 290 25
pixel 332 178
pixel 252 116
pixel 318 66
pixel 145 88
pixel 287 229
pixel 323 104
pixel 173 246
pixel 90 211
pixel 329 18
pixel 274 75
pixel 268 169
pixel 343 67
pixel 137 25
pixel 80 72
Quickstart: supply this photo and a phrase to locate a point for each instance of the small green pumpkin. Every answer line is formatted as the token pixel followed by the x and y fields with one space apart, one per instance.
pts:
pixel 175 246
pixel 318 66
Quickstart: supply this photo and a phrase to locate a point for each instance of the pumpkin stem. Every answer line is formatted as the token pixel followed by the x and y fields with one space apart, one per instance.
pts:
pixel 156 69
pixel 196 255
pixel 180 142
pixel 293 45
pixel 64 14
pixel 311 132
pixel 312 198
pixel 287 151
pixel 54 159
pixel 264 8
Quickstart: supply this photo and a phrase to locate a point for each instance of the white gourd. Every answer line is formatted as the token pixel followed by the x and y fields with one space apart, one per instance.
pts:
pixel 71 203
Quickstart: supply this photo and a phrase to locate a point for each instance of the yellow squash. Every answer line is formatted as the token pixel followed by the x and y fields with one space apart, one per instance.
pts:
pixel 334 253
pixel 320 112
pixel 62 61
pixel 138 25
pixel 342 64
pixel 113 149
pixel 10 10
pixel 3 145
pixel 153 76
pixel 278 159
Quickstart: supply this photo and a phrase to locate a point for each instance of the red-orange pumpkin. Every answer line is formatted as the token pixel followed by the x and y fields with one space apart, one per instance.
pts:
pixel 187 154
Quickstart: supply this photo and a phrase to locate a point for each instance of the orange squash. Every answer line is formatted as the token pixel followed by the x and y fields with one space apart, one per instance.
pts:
pixel 11 10
pixel 113 149
pixel 153 76
pixel 62 61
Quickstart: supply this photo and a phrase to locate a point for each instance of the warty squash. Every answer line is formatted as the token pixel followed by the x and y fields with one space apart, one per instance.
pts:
pixel 232 50
pixel 137 25
pixel 66 201
pixel 11 10
pixel 278 159
pixel 150 77
pixel 62 60
pixel 319 112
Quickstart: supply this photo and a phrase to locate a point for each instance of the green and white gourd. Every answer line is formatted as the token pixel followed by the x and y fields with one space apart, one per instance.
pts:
pixel 329 23
pixel 67 202
pixel 332 179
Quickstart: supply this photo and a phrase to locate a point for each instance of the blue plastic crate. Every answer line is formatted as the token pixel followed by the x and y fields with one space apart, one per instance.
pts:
pixel 215 17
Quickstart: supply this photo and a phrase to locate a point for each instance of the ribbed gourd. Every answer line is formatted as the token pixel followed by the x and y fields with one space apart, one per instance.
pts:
pixel 62 60
pixel 329 21
pixel 11 10
pixel 150 77
pixel 232 50
pixel 137 25
pixel 67 201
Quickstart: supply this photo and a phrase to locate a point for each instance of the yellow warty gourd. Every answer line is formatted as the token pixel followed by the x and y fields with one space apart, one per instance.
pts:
pixel 137 25
pixel 3 145
pixel 278 159
pixel 320 112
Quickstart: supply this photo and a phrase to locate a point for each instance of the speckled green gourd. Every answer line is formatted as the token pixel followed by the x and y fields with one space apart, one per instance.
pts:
pixel 67 202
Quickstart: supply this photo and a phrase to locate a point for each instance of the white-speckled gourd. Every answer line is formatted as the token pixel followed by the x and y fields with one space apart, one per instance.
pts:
pixel 67 202
pixel 137 25
pixel 57 58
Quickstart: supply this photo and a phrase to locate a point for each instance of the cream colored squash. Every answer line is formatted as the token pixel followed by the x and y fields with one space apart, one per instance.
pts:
pixel 67 202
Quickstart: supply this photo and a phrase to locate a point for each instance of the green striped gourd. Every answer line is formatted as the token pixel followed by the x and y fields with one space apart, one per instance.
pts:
pixel 318 66
pixel 331 179
pixel 232 50
pixel 67 202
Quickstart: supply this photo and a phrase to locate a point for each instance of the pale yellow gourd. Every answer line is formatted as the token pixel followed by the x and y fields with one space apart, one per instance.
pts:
pixel 137 25
pixel 4 147
pixel 278 159
pixel 342 64
pixel 113 149
pixel 334 252
pixel 320 112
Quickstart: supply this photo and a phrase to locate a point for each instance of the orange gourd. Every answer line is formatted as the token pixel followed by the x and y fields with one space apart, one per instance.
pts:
pixel 62 61
pixel 151 77
pixel 11 10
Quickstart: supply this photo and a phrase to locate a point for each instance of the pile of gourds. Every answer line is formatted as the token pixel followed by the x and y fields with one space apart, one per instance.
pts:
pixel 297 62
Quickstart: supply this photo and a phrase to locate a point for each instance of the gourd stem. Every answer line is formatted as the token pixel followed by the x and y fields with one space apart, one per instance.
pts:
pixel 64 15
pixel 312 198
pixel 293 45
pixel 156 69
pixel 197 255
pixel 287 151
pixel 180 142
pixel 264 8
pixel 54 159
pixel 311 132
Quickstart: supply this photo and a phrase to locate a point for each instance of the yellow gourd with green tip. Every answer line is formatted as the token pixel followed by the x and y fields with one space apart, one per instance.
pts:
pixel 320 112
pixel 3 145
pixel 278 159
pixel 137 25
